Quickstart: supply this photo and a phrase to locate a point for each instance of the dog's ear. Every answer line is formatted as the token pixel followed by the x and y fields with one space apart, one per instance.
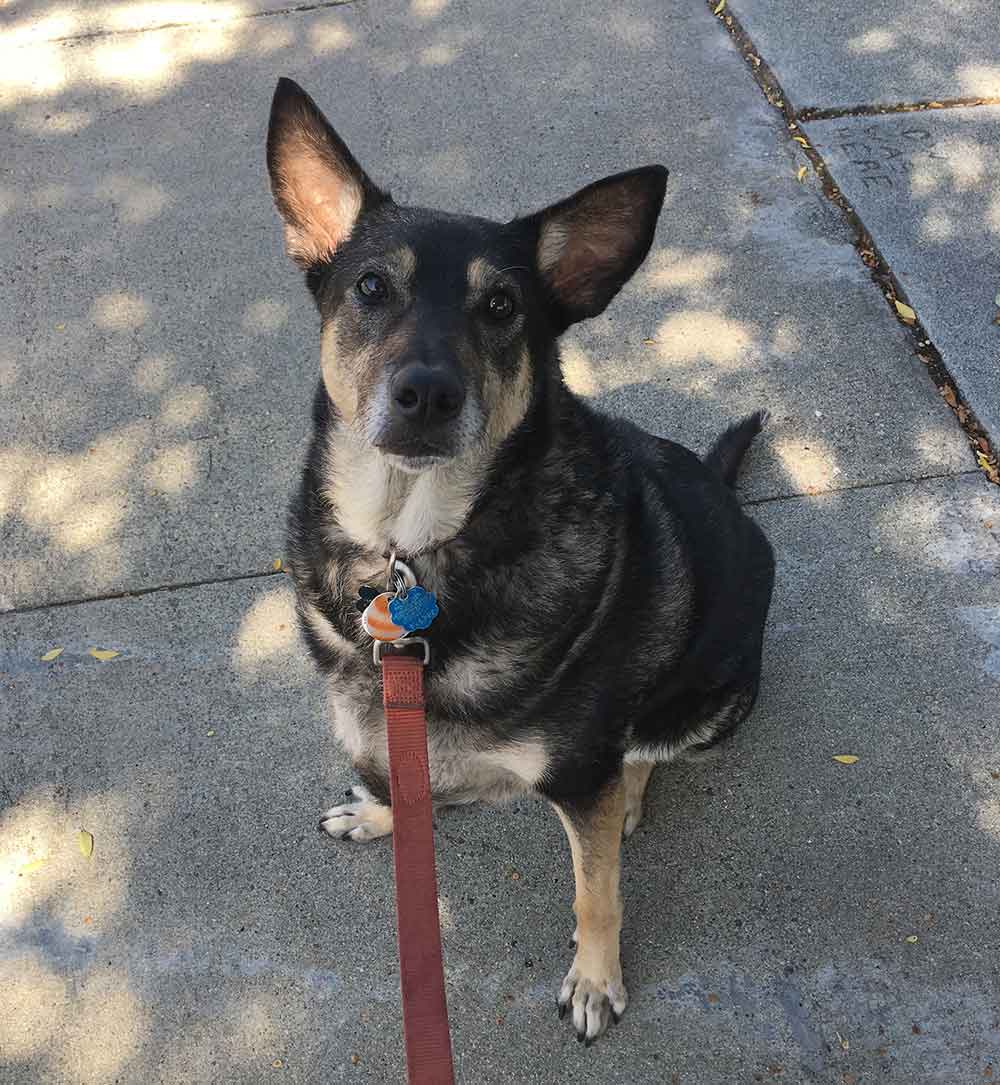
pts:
pixel 319 188
pixel 589 246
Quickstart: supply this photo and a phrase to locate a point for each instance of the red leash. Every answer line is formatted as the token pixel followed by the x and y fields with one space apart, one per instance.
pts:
pixel 421 969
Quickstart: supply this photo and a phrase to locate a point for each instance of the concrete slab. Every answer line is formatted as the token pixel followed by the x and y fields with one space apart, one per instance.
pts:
pixel 787 917
pixel 33 22
pixel 927 186
pixel 158 356
pixel 839 55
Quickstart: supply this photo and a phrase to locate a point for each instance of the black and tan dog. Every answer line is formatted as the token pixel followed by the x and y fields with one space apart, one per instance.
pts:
pixel 602 595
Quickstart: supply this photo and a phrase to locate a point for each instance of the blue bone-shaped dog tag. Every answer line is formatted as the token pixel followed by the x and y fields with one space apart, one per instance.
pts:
pixel 416 610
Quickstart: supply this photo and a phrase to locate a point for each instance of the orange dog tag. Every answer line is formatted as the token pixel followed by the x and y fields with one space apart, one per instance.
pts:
pixel 377 622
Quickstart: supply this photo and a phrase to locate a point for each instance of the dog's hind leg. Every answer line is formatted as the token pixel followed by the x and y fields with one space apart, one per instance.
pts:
pixel 593 989
pixel 637 775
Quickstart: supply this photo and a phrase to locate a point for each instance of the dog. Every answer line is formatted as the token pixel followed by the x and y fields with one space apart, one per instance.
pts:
pixel 602 593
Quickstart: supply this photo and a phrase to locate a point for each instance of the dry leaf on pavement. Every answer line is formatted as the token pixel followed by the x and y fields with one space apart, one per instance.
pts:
pixel 53 653
pixel 86 842
pixel 845 758
pixel 103 654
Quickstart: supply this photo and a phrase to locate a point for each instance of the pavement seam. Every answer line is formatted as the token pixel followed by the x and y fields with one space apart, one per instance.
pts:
pixel 136 592
pixel 873 109
pixel 875 485
pixel 985 453
pixel 802 495
pixel 89 35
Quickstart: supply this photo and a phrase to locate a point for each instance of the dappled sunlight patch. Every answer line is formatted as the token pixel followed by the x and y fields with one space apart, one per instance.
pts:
pixel 427 9
pixel 631 30
pixel 436 56
pixel 266 315
pixel 92 523
pixel 42 868
pixel 184 406
pixel 330 36
pixel 677 269
pixel 138 201
pixel 151 62
pixel 937 225
pixel 786 337
pixel 52 195
pixel 269 39
pixel 138 16
pixel 35 1001
pixel 878 40
pixel 267 633
pixel 119 311
pixel 993 215
pixel 29 71
pixel 45 122
pixel 106 1029
pixel 696 334
pixel 154 372
pixel 980 80
pixel 811 467
pixel 173 470
pixel 577 370
pixel 920 529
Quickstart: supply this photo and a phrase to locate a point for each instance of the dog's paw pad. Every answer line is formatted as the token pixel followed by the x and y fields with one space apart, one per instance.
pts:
pixel 362 819
pixel 594 1002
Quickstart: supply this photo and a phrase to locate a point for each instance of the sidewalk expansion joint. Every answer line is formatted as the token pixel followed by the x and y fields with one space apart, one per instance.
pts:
pixel 136 592
pixel 180 24
pixel 818 113
pixel 986 456
pixel 876 484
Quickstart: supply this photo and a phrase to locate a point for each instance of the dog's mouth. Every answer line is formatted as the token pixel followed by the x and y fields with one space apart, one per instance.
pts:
pixel 414 455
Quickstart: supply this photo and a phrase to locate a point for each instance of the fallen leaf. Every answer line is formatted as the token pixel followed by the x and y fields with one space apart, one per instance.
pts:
pixel 649 342
pixel 103 654
pixel 276 565
pixel 713 999
pixel 802 171
pixel 911 939
pixel 277 1064
pixel 60 327
pixel 916 1030
pixel 990 466
pixel 355 1059
pixel 719 8
pixel 802 140
pixel 30 868
pixel 907 315
pixel 935 105
pixel 845 758
pixel 995 773
pixel 88 919
pixel 52 653
pixel 209 733
pixel 86 842
pixel 948 395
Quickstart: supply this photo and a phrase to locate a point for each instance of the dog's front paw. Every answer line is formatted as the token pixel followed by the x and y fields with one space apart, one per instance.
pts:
pixel 594 998
pixel 364 818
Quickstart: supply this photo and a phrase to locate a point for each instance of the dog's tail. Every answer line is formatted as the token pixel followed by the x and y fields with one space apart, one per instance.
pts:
pixel 726 455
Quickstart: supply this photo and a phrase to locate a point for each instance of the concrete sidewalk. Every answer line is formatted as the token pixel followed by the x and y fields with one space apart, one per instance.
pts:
pixel 788 918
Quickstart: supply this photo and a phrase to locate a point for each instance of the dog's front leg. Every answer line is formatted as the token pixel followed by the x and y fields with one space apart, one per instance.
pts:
pixel 593 987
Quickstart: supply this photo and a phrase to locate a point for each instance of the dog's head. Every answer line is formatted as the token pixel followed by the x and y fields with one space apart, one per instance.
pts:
pixel 438 328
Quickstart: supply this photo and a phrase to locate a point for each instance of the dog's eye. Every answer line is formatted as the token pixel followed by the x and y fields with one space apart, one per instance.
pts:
pixel 372 287
pixel 500 305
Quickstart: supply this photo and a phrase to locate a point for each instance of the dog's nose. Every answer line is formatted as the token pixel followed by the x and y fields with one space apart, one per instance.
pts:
pixel 426 396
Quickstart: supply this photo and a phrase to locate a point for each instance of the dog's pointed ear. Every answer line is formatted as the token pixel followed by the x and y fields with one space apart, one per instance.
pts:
pixel 319 188
pixel 588 246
